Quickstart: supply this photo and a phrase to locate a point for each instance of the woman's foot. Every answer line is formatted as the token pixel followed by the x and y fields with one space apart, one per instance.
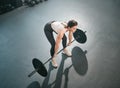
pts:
pixel 67 52
pixel 54 63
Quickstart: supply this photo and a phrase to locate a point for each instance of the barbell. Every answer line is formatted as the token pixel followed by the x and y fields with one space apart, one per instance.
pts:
pixel 39 67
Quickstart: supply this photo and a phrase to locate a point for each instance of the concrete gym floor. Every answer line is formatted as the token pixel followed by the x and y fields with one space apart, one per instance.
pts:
pixel 95 64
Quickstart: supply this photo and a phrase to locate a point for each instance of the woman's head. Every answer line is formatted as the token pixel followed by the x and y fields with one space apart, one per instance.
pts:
pixel 72 25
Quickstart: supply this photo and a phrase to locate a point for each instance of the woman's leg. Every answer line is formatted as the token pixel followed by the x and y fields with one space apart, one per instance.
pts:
pixel 49 34
pixel 64 41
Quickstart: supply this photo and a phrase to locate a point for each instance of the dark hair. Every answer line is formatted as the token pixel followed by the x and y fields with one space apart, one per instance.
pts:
pixel 72 23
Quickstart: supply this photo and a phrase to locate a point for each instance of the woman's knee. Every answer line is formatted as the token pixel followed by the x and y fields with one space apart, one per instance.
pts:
pixel 52 50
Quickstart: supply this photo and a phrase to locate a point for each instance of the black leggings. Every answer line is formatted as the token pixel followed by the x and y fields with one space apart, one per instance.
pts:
pixel 49 34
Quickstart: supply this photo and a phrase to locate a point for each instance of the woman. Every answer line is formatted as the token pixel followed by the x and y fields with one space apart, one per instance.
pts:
pixel 60 28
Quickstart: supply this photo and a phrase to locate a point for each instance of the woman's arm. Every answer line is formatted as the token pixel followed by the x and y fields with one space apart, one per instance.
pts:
pixel 70 37
pixel 58 40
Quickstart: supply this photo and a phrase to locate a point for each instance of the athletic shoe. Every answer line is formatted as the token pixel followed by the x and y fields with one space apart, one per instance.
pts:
pixel 67 52
pixel 54 63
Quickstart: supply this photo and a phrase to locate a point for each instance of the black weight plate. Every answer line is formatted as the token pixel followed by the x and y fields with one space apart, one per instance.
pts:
pixel 80 36
pixel 39 65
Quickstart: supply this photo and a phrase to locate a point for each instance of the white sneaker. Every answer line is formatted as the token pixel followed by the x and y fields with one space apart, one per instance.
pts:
pixel 67 52
pixel 54 63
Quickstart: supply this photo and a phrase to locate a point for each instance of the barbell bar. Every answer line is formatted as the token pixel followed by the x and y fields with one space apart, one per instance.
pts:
pixel 78 35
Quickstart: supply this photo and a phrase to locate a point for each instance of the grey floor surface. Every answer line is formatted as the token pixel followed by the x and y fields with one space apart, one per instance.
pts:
pixel 22 38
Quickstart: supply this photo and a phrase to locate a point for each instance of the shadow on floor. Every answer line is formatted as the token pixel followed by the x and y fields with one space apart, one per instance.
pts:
pixel 58 80
pixel 46 80
pixel 79 63
pixel 66 72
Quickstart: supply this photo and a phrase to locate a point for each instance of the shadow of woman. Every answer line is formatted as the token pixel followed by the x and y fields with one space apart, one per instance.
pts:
pixel 66 72
pixel 58 81
pixel 59 75
pixel 79 61
pixel 46 80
